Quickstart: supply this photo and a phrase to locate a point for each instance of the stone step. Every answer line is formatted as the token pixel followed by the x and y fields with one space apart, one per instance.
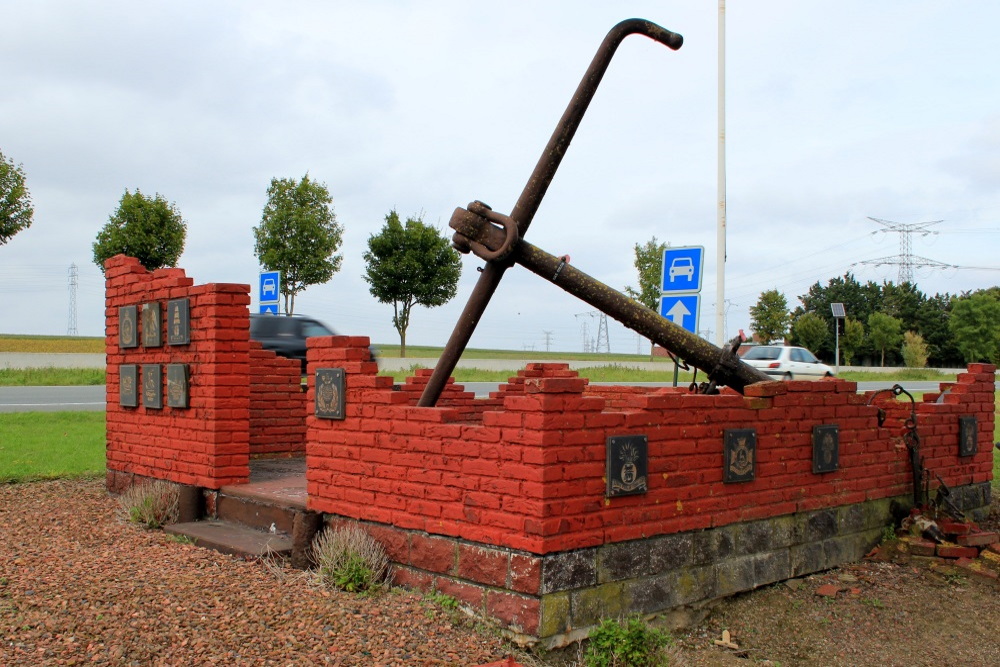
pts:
pixel 255 513
pixel 233 539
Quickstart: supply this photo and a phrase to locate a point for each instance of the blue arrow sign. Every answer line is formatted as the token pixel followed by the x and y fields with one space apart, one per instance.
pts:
pixel 682 269
pixel 682 310
pixel 269 289
pixel 269 308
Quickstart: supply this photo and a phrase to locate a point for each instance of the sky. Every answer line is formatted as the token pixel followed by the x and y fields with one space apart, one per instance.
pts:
pixel 835 112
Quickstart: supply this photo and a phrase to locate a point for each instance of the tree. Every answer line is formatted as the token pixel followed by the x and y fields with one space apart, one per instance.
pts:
pixel 769 318
pixel 883 330
pixel 298 235
pixel 974 325
pixel 914 350
pixel 810 330
pixel 15 201
pixel 410 265
pixel 649 263
pixel 852 340
pixel 149 229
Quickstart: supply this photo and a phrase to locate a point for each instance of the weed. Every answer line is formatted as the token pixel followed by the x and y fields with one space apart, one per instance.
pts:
pixel 630 642
pixel 180 539
pixel 954 578
pixel 443 600
pixel 873 602
pixel 151 504
pixel 888 535
pixel 350 559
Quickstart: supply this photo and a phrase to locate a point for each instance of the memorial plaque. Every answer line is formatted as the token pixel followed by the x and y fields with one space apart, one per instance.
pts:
pixel 178 322
pixel 740 455
pixel 152 386
pixel 151 325
pixel 627 465
pixel 968 436
pixel 330 393
pixel 826 448
pixel 128 327
pixel 128 385
pixel 178 385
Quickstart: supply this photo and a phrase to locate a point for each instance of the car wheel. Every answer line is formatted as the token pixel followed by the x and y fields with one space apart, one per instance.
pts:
pixel 787 377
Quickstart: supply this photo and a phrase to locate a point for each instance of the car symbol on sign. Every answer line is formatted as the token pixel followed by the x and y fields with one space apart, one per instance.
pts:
pixel 681 266
pixel 269 286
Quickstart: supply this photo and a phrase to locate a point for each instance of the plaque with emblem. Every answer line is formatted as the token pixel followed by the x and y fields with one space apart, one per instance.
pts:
pixel 128 385
pixel 177 385
pixel 128 327
pixel 826 448
pixel 968 436
pixel 740 455
pixel 627 465
pixel 330 393
pixel 178 322
pixel 152 386
pixel 151 325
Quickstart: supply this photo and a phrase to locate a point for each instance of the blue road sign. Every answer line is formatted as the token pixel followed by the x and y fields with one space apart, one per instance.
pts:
pixel 269 308
pixel 270 287
pixel 682 310
pixel 682 269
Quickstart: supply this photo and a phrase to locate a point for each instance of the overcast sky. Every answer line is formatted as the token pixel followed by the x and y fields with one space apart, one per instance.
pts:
pixel 836 111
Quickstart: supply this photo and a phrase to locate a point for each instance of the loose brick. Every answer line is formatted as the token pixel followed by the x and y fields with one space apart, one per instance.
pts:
pixel 956 551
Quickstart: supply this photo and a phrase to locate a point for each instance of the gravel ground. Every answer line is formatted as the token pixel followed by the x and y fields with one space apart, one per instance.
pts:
pixel 79 585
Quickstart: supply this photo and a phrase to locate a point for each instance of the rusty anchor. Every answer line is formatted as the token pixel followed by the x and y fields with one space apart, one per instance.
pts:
pixel 498 239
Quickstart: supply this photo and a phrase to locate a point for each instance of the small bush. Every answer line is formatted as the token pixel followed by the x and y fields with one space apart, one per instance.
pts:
pixel 914 350
pixel 350 559
pixel 152 504
pixel 629 643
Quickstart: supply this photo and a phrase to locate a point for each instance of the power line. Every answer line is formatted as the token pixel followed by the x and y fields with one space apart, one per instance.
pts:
pixel 906 260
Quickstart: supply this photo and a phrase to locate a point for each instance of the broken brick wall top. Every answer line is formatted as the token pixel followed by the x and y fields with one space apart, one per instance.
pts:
pixel 207 443
pixel 528 471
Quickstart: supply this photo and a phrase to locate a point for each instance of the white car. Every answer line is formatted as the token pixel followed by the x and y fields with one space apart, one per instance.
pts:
pixel 783 362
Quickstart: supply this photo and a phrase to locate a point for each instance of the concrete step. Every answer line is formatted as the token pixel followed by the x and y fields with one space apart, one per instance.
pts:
pixel 234 539
pixel 255 513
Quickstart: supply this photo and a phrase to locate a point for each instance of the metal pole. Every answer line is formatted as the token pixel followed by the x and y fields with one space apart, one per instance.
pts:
pixel 720 242
pixel 836 328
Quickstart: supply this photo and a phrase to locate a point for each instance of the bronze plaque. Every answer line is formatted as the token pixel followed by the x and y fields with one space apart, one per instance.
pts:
pixel 128 327
pixel 178 322
pixel 740 455
pixel 968 436
pixel 826 448
pixel 177 385
pixel 128 385
pixel 152 386
pixel 627 465
pixel 151 325
pixel 330 393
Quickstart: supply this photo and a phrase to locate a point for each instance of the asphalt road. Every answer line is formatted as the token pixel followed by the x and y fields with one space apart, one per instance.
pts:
pixel 70 399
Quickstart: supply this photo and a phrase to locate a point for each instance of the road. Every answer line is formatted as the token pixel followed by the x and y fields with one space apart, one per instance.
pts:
pixel 71 399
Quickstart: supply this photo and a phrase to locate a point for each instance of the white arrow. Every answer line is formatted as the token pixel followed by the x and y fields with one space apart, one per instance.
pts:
pixel 678 312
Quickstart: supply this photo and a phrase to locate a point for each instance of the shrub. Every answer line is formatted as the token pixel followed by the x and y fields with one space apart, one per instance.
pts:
pixel 915 351
pixel 629 643
pixel 151 504
pixel 350 559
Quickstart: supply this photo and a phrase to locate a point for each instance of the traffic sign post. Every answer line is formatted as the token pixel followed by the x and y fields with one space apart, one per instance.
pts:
pixel 269 291
pixel 682 269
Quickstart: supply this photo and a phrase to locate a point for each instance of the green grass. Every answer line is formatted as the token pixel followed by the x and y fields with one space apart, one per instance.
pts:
pixel 423 352
pixel 899 375
pixel 46 445
pixel 609 373
pixel 50 377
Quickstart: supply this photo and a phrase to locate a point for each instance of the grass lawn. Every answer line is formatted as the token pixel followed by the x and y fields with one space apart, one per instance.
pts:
pixel 44 445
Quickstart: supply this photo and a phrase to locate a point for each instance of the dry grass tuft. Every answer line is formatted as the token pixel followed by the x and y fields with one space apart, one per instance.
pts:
pixel 151 504
pixel 350 559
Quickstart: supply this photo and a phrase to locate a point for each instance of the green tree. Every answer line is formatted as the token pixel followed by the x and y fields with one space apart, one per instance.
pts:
pixel 883 330
pixel 852 340
pixel 914 350
pixel 974 325
pixel 859 301
pixel 149 229
pixel 810 331
pixel 769 318
pixel 15 201
pixel 410 265
pixel 649 263
pixel 298 235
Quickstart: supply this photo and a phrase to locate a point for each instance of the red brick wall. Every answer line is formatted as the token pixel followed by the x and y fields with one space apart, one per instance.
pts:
pixel 277 405
pixel 530 476
pixel 206 444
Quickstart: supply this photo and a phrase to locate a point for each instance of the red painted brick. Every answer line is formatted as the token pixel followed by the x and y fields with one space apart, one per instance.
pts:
pixel 978 539
pixel 483 565
pixel 433 553
pixel 519 612
pixel 955 551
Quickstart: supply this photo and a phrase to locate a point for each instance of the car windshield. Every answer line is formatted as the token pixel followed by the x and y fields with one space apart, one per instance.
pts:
pixel 763 352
